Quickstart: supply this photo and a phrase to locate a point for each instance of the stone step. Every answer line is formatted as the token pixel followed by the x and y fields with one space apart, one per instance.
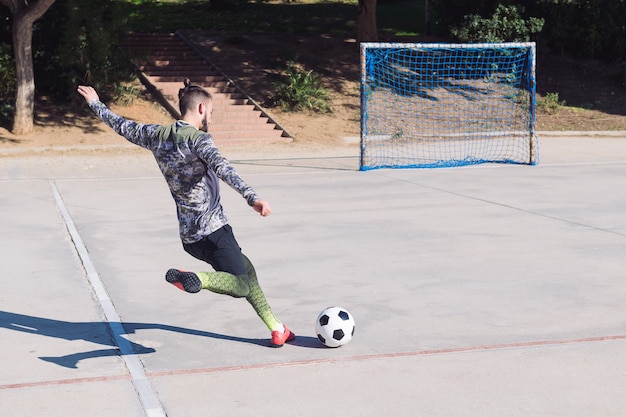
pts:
pixel 250 133
pixel 215 84
pixel 178 79
pixel 222 104
pixel 165 60
pixel 191 73
pixel 177 63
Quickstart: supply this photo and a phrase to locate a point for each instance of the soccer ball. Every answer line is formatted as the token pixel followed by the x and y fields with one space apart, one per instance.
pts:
pixel 334 326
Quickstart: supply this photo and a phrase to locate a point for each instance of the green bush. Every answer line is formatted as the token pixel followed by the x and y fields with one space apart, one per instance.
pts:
pixel 7 85
pixel 7 72
pixel 592 29
pixel 581 28
pixel 302 90
pixel 505 25
pixel 550 104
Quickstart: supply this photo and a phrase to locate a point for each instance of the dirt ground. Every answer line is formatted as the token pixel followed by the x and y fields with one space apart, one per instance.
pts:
pixel 592 94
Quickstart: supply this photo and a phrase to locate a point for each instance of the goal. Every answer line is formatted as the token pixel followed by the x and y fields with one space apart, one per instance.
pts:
pixel 427 105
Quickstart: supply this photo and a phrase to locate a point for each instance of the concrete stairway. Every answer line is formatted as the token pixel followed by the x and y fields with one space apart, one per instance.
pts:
pixel 164 60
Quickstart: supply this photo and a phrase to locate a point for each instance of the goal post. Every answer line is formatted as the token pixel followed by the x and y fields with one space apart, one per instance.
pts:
pixel 428 105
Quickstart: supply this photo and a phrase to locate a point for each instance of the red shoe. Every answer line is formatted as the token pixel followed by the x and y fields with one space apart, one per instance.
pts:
pixel 279 338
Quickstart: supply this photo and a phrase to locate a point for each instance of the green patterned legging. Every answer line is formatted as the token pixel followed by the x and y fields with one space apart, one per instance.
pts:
pixel 241 286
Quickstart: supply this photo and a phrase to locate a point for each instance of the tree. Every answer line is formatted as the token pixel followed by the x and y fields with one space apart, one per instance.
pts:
pixel 25 13
pixel 366 21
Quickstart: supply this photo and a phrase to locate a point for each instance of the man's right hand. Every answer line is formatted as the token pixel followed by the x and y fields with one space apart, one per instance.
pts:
pixel 88 93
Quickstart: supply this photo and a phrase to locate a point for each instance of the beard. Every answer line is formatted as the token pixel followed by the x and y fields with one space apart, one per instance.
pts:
pixel 205 124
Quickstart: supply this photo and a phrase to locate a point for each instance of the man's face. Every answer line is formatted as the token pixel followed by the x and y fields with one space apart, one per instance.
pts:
pixel 207 117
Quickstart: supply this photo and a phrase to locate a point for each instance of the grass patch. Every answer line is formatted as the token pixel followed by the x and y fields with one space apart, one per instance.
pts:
pixel 125 94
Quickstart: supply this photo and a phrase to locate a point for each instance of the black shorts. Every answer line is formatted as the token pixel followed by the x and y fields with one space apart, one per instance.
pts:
pixel 221 250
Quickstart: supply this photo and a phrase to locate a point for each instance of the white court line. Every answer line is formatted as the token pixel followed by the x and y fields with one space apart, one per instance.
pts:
pixel 149 400
pixel 588 163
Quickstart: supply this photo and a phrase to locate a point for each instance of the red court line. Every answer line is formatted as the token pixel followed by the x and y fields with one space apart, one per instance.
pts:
pixel 65 381
pixel 430 352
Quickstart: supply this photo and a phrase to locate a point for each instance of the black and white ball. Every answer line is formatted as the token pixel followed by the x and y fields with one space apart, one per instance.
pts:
pixel 334 326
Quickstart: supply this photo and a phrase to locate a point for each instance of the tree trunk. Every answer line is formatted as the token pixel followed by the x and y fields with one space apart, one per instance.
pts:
pixel 24 16
pixel 24 76
pixel 366 21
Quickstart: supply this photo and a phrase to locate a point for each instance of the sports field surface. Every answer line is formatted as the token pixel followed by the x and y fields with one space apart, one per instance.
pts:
pixel 491 290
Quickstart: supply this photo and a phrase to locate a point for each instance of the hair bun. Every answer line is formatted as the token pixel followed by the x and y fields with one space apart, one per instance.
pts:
pixel 183 91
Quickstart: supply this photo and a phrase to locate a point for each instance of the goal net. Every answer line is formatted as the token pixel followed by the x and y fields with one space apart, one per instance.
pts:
pixel 427 105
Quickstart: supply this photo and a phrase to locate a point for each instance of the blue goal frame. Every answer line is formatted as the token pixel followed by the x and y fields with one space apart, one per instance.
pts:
pixel 427 105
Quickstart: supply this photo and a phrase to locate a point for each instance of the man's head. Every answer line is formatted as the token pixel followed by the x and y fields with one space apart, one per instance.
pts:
pixel 196 105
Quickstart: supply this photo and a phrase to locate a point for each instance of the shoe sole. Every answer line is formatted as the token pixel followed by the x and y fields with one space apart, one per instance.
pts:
pixel 186 281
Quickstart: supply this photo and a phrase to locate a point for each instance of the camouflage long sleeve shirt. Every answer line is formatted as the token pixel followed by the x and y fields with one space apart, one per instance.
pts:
pixel 192 167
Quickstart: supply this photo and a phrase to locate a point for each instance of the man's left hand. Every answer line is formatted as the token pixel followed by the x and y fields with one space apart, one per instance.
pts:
pixel 262 207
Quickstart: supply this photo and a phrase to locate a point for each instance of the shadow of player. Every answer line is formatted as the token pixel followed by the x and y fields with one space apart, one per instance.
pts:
pixel 100 333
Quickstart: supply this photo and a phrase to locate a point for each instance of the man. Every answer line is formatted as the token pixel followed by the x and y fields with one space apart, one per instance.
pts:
pixel 192 167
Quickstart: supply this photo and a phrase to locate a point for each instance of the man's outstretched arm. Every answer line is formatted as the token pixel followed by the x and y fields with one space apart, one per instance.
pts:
pixel 137 133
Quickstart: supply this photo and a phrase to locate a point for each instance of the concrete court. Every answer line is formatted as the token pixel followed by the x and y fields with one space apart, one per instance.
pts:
pixel 491 290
